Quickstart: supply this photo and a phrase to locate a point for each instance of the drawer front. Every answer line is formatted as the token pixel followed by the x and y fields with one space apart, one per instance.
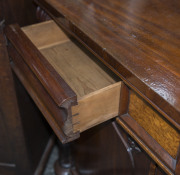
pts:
pixel 154 124
pixel 49 78
pixel 159 138
pixel 55 116
pixel 72 89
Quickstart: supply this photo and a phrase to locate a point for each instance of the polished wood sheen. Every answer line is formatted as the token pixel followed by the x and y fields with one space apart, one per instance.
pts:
pixel 45 101
pixel 139 40
pixel 50 79
pixel 150 129
pixel 152 148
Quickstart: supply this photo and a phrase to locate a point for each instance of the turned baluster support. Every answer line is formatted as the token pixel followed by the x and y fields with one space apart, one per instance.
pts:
pixel 65 164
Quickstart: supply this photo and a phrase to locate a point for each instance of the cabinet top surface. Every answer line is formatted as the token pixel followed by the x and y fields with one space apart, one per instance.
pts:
pixel 141 35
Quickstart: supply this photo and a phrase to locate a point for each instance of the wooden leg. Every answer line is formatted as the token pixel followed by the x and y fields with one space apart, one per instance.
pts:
pixel 65 164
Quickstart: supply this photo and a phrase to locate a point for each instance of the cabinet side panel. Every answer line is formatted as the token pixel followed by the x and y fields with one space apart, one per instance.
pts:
pixel 13 152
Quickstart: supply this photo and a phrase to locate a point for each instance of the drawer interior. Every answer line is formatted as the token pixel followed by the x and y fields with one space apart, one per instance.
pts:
pixel 77 66
pixel 96 87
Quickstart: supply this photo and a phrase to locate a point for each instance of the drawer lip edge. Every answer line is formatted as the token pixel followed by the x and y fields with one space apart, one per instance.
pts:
pixel 55 85
pixel 42 99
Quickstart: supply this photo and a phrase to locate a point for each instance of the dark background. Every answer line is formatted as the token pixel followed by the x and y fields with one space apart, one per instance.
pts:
pixel 18 11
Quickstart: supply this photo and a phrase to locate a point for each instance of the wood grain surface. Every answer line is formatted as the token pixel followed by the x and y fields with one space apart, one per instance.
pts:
pixel 96 107
pixel 52 113
pixel 148 144
pixel 154 124
pixel 49 78
pixel 56 70
pixel 139 40
pixel 45 34
pixel 78 68
pixel 88 77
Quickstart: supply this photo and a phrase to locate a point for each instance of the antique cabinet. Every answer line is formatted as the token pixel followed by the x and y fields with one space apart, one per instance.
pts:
pixel 99 61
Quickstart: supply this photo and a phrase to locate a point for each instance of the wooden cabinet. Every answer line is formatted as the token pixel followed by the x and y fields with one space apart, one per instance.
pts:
pixel 64 71
pixel 142 48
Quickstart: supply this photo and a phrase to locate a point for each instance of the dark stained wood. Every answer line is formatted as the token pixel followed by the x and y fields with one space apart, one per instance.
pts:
pixel 156 135
pixel 22 12
pixel 38 138
pixel 124 100
pixel 44 159
pixel 42 15
pixel 65 164
pixel 100 151
pixel 137 41
pixel 54 115
pixel 155 170
pixel 21 148
pixel 49 78
pixel 152 169
pixel 45 76
pixel 143 50
pixel 13 156
pixel 178 167
pixel 154 150
pixel 63 171
pixel 140 47
pixel 9 114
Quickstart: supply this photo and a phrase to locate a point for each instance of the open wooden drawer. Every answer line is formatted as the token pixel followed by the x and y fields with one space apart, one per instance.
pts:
pixel 70 86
